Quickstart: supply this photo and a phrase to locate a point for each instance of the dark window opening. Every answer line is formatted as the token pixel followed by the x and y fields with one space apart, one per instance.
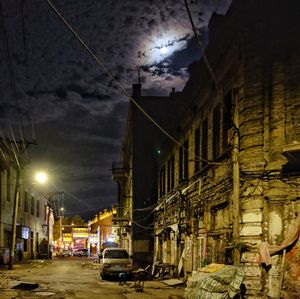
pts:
pixel 26 205
pixel 25 245
pixel 197 149
pixel 227 122
pixel 38 208
pixel 170 178
pixel 162 182
pixel 32 205
pixel 8 185
pixel 186 160
pixel 216 131
pixel 172 172
pixel 204 143
pixel 180 163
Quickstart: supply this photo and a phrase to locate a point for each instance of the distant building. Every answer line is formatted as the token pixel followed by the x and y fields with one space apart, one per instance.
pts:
pixel 136 173
pixel 102 231
pixel 235 180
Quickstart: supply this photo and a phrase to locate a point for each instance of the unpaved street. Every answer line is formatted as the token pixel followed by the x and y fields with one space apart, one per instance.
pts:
pixel 71 277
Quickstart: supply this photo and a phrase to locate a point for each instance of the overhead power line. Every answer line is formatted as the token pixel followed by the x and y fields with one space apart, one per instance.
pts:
pixel 9 64
pixel 200 45
pixel 108 72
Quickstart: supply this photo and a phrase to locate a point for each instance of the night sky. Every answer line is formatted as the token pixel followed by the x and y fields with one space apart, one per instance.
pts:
pixel 53 91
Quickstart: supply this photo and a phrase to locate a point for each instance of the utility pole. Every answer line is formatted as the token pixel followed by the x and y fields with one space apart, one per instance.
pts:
pixel 236 180
pixel 14 223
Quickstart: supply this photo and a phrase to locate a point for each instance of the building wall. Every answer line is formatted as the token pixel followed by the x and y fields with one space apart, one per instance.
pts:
pixel 260 74
pixel 36 221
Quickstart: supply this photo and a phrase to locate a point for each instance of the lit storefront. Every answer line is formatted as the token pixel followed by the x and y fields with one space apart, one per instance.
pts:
pixel 80 236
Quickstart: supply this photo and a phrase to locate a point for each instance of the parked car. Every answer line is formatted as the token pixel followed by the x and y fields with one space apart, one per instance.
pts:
pixel 81 252
pixel 114 261
pixel 65 252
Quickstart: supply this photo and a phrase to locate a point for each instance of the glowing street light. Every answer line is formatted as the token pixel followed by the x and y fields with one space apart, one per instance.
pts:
pixel 41 177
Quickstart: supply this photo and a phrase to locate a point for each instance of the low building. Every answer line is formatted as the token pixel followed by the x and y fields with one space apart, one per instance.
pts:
pixel 102 231
pixel 35 218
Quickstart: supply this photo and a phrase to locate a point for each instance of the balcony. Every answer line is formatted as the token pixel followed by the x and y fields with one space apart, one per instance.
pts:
pixel 119 171
pixel 121 213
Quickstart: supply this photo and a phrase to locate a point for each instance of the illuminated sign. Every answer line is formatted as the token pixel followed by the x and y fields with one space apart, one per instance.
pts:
pixel 23 232
pixel 80 229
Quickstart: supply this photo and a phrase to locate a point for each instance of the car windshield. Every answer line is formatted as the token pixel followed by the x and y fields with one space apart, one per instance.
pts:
pixel 116 254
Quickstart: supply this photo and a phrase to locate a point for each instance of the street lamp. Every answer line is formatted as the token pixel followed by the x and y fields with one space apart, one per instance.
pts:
pixel 41 177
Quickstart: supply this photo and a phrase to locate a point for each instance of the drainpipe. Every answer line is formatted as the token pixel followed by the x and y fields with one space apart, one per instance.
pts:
pixel 236 179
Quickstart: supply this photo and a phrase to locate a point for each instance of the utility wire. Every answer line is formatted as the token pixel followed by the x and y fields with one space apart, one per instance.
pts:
pixel 108 72
pixel 9 63
pixel 200 45
pixel 30 105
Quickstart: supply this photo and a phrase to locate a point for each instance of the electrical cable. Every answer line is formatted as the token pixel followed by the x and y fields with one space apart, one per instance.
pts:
pixel 9 63
pixel 30 105
pixel 200 45
pixel 108 72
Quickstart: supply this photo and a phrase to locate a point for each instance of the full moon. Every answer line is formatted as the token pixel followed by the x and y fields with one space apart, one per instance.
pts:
pixel 163 50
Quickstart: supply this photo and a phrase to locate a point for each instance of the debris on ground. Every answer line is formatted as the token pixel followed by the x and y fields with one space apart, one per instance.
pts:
pixel 139 286
pixel 26 286
pixel 173 282
pixel 215 281
pixel 44 294
pixel 142 274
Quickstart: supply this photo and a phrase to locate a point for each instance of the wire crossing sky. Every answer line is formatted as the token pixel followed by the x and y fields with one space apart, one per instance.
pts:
pixel 77 110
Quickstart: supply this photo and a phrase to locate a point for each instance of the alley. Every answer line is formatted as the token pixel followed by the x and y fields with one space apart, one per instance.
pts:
pixel 73 278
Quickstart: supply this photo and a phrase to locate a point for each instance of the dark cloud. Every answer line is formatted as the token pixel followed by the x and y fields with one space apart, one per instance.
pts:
pixel 77 111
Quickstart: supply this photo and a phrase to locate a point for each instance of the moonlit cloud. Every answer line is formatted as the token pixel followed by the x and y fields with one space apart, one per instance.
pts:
pixel 77 110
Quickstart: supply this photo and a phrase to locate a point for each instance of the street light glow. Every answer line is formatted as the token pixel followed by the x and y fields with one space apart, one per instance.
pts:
pixel 41 177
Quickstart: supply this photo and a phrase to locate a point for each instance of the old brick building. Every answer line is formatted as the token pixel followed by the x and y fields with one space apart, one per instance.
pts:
pixel 235 181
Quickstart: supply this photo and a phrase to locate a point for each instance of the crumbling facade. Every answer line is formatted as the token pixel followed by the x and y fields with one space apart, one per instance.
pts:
pixel 234 182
